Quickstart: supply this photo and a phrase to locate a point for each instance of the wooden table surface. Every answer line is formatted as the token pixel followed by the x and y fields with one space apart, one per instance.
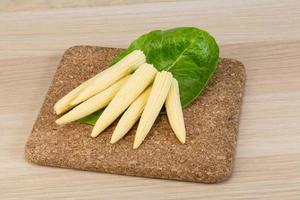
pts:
pixel 263 34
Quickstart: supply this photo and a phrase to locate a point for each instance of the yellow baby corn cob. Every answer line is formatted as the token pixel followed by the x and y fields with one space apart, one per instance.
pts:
pixel 136 84
pixel 122 68
pixel 130 116
pixel 174 112
pixel 63 104
pixel 158 95
pixel 93 104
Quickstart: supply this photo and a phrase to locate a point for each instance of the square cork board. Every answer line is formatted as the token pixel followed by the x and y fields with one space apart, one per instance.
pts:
pixel 211 123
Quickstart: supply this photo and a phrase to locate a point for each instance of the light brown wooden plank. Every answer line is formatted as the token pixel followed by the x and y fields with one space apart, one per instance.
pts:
pixel 264 35
pixel 45 32
pixel 21 5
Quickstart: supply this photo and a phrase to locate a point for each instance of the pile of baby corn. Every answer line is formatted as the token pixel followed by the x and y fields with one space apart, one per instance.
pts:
pixel 131 88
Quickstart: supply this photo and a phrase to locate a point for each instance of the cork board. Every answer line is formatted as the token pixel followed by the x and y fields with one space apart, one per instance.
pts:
pixel 211 122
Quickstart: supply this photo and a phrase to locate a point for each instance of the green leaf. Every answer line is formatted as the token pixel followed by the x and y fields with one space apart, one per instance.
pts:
pixel 91 119
pixel 189 53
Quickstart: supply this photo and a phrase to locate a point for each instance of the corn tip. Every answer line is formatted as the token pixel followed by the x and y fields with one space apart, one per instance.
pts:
pixel 135 144
pixel 93 135
pixel 57 112
pixel 59 121
pixel 55 108
pixel 113 139
pixel 112 142
pixel 182 140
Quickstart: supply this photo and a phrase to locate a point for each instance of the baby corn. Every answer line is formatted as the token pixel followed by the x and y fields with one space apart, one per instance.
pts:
pixel 122 68
pixel 136 84
pixel 158 95
pixel 63 104
pixel 174 112
pixel 131 116
pixel 93 104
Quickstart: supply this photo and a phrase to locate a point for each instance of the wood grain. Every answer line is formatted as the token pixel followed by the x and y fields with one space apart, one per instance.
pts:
pixel 264 35
pixel 21 5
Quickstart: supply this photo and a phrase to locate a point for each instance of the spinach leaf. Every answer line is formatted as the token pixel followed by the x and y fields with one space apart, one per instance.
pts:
pixel 189 53
pixel 90 119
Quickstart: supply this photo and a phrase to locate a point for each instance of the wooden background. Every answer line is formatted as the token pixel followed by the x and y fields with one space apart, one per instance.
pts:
pixel 263 34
